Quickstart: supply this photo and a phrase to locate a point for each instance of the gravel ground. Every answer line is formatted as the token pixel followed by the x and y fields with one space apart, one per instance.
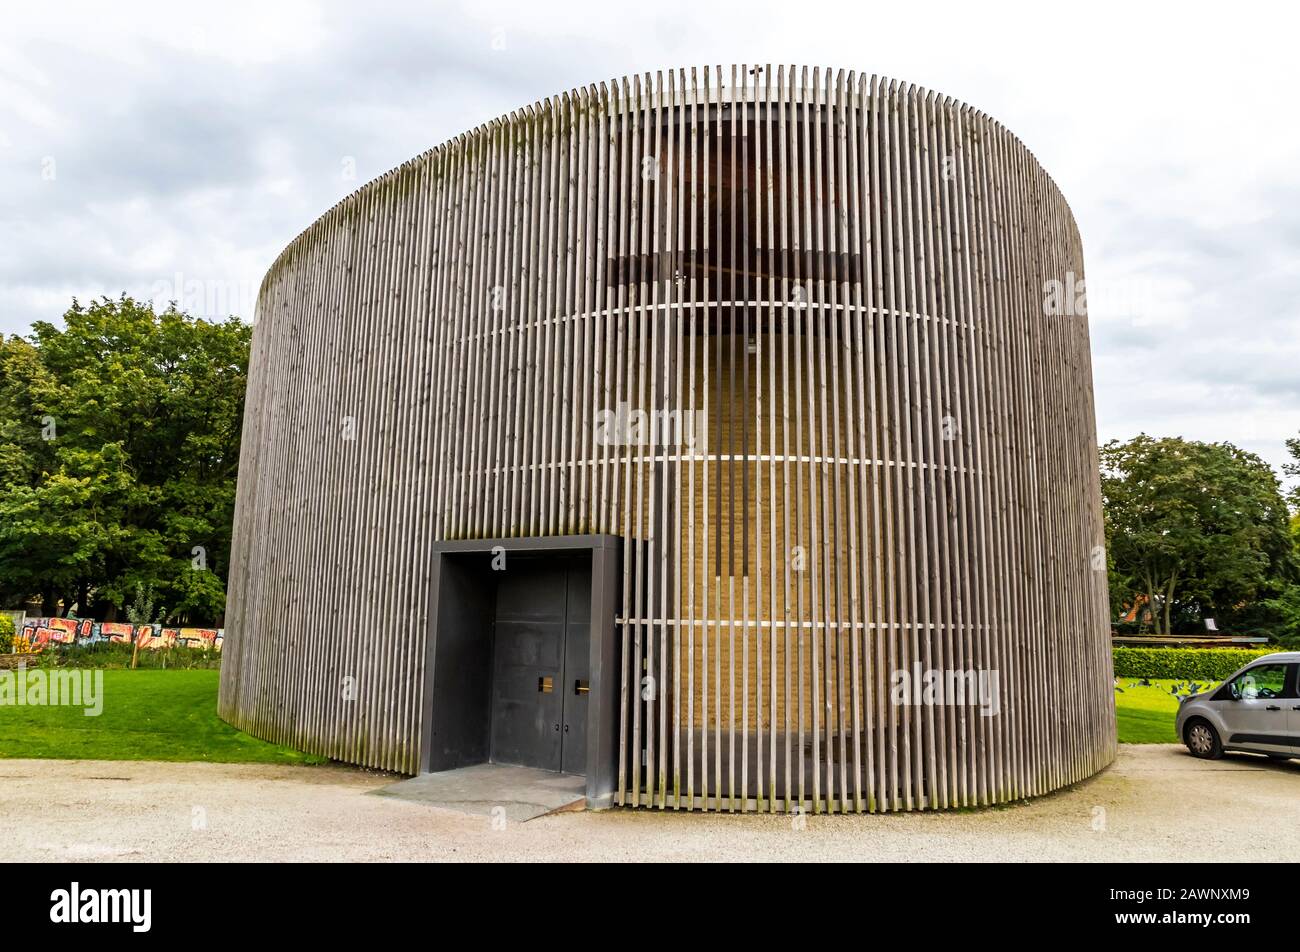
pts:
pixel 1154 803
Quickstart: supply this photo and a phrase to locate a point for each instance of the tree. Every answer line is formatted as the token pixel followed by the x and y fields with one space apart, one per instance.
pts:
pixel 1194 529
pixel 1284 610
pixel 1293 469
pixel 140 612
pixel 119 447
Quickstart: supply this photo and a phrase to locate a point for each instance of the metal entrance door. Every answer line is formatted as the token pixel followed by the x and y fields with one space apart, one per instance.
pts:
pixel 577 670
pixel 540 666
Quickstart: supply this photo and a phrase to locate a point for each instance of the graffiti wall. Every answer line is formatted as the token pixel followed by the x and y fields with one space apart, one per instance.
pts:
pixel 39 632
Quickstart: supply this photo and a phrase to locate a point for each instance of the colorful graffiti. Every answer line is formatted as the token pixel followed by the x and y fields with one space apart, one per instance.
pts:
pixel 40 632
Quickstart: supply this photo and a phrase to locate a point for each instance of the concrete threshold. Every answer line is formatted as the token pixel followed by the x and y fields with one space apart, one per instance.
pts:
pixel 520 793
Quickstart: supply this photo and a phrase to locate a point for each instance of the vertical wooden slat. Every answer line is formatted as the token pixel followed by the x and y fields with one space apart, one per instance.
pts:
pixel 902 471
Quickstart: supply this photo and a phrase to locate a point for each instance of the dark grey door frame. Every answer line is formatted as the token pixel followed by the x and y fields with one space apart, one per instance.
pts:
pixel 457 679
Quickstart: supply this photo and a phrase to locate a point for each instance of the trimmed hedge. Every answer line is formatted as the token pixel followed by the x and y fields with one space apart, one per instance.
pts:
pixel 1185 664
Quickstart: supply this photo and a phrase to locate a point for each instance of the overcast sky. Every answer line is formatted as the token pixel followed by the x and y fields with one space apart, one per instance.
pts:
pixel 148 147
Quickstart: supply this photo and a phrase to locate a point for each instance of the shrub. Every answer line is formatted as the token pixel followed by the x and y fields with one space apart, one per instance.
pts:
pixel 6 634
pixel 1185 664
pixel 115 654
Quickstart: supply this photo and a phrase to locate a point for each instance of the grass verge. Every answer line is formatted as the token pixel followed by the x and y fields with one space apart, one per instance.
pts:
pixel 147 715
pixel 1145 715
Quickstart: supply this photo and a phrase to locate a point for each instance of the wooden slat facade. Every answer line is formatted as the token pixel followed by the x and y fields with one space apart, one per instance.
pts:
pixel 836 285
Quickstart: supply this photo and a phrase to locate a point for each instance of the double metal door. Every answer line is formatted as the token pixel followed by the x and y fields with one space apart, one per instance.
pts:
pixel 541 664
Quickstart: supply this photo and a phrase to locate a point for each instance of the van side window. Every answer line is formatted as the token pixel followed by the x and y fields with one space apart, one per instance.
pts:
pixel 1264 681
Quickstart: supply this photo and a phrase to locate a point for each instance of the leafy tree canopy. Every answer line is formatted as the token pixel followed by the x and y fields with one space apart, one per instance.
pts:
pixel 119 447
pixel 1193 529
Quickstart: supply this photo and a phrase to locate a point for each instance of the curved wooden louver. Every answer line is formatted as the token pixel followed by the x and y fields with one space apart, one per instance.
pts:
pixel 863 300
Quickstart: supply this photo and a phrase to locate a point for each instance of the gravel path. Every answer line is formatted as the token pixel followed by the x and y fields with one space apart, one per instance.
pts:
pixel 1154 803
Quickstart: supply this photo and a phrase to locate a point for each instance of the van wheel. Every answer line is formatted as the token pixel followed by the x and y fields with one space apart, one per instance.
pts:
pixel 1203 740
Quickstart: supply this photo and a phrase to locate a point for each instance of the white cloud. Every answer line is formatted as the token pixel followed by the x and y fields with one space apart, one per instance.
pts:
pixel 201 142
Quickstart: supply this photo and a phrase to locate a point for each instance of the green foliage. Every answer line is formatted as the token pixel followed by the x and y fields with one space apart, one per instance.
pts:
pixel 1286 609
pixel 1293 469
pixel 1196 529
pixel 7 631
pixel 1186 664
pixel 119 446
pixel 140 611
pixel 117 654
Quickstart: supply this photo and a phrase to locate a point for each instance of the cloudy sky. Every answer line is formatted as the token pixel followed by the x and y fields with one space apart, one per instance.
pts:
pixel 158 147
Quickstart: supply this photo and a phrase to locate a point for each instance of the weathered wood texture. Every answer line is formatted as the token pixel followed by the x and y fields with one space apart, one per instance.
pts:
pixel 846 281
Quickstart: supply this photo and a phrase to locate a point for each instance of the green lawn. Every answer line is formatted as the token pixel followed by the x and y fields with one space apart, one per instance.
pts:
pixel 1145 715
pixel 147 715
pixel 172 715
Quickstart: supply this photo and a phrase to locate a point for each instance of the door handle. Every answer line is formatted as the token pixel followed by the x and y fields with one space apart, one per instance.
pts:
pixel 581 687
pixel 1272 707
